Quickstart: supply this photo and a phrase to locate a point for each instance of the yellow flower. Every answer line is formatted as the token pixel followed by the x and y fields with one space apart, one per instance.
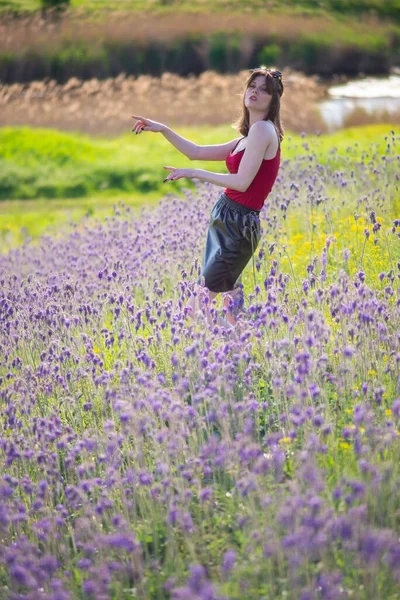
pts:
pixel 388 412
pixel 345 445
pixel 285 440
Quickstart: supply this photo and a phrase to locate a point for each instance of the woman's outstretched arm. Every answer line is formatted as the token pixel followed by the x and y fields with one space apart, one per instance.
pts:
pixel 185 146
pixel 190 149
pixel 260 136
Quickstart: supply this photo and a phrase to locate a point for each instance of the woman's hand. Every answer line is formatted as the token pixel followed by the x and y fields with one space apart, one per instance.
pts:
pixel 179 173
pixel 143 124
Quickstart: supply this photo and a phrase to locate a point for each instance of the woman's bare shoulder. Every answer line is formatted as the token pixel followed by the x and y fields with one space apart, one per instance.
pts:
pixel 262 128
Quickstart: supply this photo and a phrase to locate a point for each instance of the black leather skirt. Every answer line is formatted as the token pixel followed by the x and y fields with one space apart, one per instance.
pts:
pixel 232 238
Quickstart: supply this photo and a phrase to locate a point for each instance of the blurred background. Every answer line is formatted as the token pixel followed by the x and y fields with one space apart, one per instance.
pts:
pixel 80 68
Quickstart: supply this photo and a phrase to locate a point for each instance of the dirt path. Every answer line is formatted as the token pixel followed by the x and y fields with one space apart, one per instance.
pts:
pixel 105 107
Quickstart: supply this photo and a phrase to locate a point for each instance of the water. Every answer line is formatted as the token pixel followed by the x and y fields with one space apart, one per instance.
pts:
pixel 371 94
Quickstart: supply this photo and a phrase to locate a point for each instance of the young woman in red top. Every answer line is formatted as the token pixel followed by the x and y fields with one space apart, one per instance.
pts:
pixel 253 162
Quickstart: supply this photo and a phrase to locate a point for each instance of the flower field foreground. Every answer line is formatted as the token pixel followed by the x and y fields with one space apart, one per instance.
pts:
pixel 145 455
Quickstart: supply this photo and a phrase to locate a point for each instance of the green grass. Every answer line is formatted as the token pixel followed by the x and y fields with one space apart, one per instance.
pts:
pixel 129 169
pixel 42 163
pixel 380 7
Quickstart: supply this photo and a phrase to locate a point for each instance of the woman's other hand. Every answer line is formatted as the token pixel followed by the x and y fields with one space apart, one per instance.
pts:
pixel 179 173
pixel 143 124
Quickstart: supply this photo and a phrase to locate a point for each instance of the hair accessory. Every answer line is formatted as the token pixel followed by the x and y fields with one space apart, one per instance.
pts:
pixel 275 74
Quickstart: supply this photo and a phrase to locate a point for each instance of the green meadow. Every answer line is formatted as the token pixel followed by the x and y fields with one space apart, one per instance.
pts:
pixel 49 178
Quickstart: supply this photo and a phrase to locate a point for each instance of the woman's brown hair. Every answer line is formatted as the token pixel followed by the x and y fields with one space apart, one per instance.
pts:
pixel 274 85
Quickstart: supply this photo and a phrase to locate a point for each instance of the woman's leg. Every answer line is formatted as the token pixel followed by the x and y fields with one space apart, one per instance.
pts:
pixel 199 297
pixel 202 299
pixel 233 304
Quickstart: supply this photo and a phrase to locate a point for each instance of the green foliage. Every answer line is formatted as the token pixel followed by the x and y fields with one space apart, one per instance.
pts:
pixel 345 52
pixel 57 4
pixel 384 8
pixel 37 163
pixel 342 51
pixel 87 59
pixel 269 55
pixel 381 8
pixel 224 52
pixel 310 51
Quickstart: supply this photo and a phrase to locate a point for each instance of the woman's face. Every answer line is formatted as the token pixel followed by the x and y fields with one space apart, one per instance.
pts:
pixel 256 97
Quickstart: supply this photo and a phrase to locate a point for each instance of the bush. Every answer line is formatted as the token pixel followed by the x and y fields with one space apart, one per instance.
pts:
pixel 57 4
pixel 270 55
pixel 16 181
pixel 181 56
pixel 87 60
pixel 8 64
pixel 70 55
pixel 224 52
pixel 311 53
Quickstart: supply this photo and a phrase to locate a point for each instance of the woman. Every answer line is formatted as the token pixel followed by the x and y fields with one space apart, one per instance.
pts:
pixel 253 162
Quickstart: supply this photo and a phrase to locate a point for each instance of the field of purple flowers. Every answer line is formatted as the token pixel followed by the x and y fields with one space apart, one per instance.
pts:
pixel 147 455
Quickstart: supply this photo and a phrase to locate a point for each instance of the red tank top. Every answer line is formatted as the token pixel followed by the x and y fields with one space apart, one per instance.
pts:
pixel 257 192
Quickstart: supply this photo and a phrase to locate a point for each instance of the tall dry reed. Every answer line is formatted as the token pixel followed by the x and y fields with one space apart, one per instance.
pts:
pixel 105 107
